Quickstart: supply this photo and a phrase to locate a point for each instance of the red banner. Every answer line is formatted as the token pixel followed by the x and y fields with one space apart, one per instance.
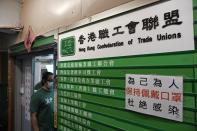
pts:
pixel 29 39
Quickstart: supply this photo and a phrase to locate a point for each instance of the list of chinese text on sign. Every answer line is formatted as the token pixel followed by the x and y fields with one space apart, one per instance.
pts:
pixel 160 96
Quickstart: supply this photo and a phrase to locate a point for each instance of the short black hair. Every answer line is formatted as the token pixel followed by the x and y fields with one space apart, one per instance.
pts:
pixel 45 77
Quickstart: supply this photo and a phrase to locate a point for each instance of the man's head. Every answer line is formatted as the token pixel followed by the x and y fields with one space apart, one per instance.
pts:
pixel 47 80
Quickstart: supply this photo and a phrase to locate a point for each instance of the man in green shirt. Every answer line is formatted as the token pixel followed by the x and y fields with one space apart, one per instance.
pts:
pixel 41 105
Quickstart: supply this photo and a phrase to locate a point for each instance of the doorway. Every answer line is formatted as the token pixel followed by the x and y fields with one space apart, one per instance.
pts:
pixel 41 64
pixel 28 72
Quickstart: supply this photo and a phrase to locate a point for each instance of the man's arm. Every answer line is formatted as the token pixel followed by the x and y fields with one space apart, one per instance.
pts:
pixel 34 121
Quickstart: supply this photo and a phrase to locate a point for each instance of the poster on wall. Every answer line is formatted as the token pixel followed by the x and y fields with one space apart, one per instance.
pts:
pixel 155 95
pixel 160 28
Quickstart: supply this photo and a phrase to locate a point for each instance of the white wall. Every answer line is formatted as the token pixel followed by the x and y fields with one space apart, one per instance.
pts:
pixel 47 15
pixel 10 13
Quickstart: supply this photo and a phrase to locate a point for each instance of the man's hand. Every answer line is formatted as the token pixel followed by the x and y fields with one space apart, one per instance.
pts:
pixel 34 121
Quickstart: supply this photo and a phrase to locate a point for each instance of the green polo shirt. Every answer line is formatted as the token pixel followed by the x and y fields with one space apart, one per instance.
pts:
pixel 42 103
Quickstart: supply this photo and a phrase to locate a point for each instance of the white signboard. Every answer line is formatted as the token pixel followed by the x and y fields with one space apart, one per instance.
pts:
pixel 160 96
pixel 163 27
